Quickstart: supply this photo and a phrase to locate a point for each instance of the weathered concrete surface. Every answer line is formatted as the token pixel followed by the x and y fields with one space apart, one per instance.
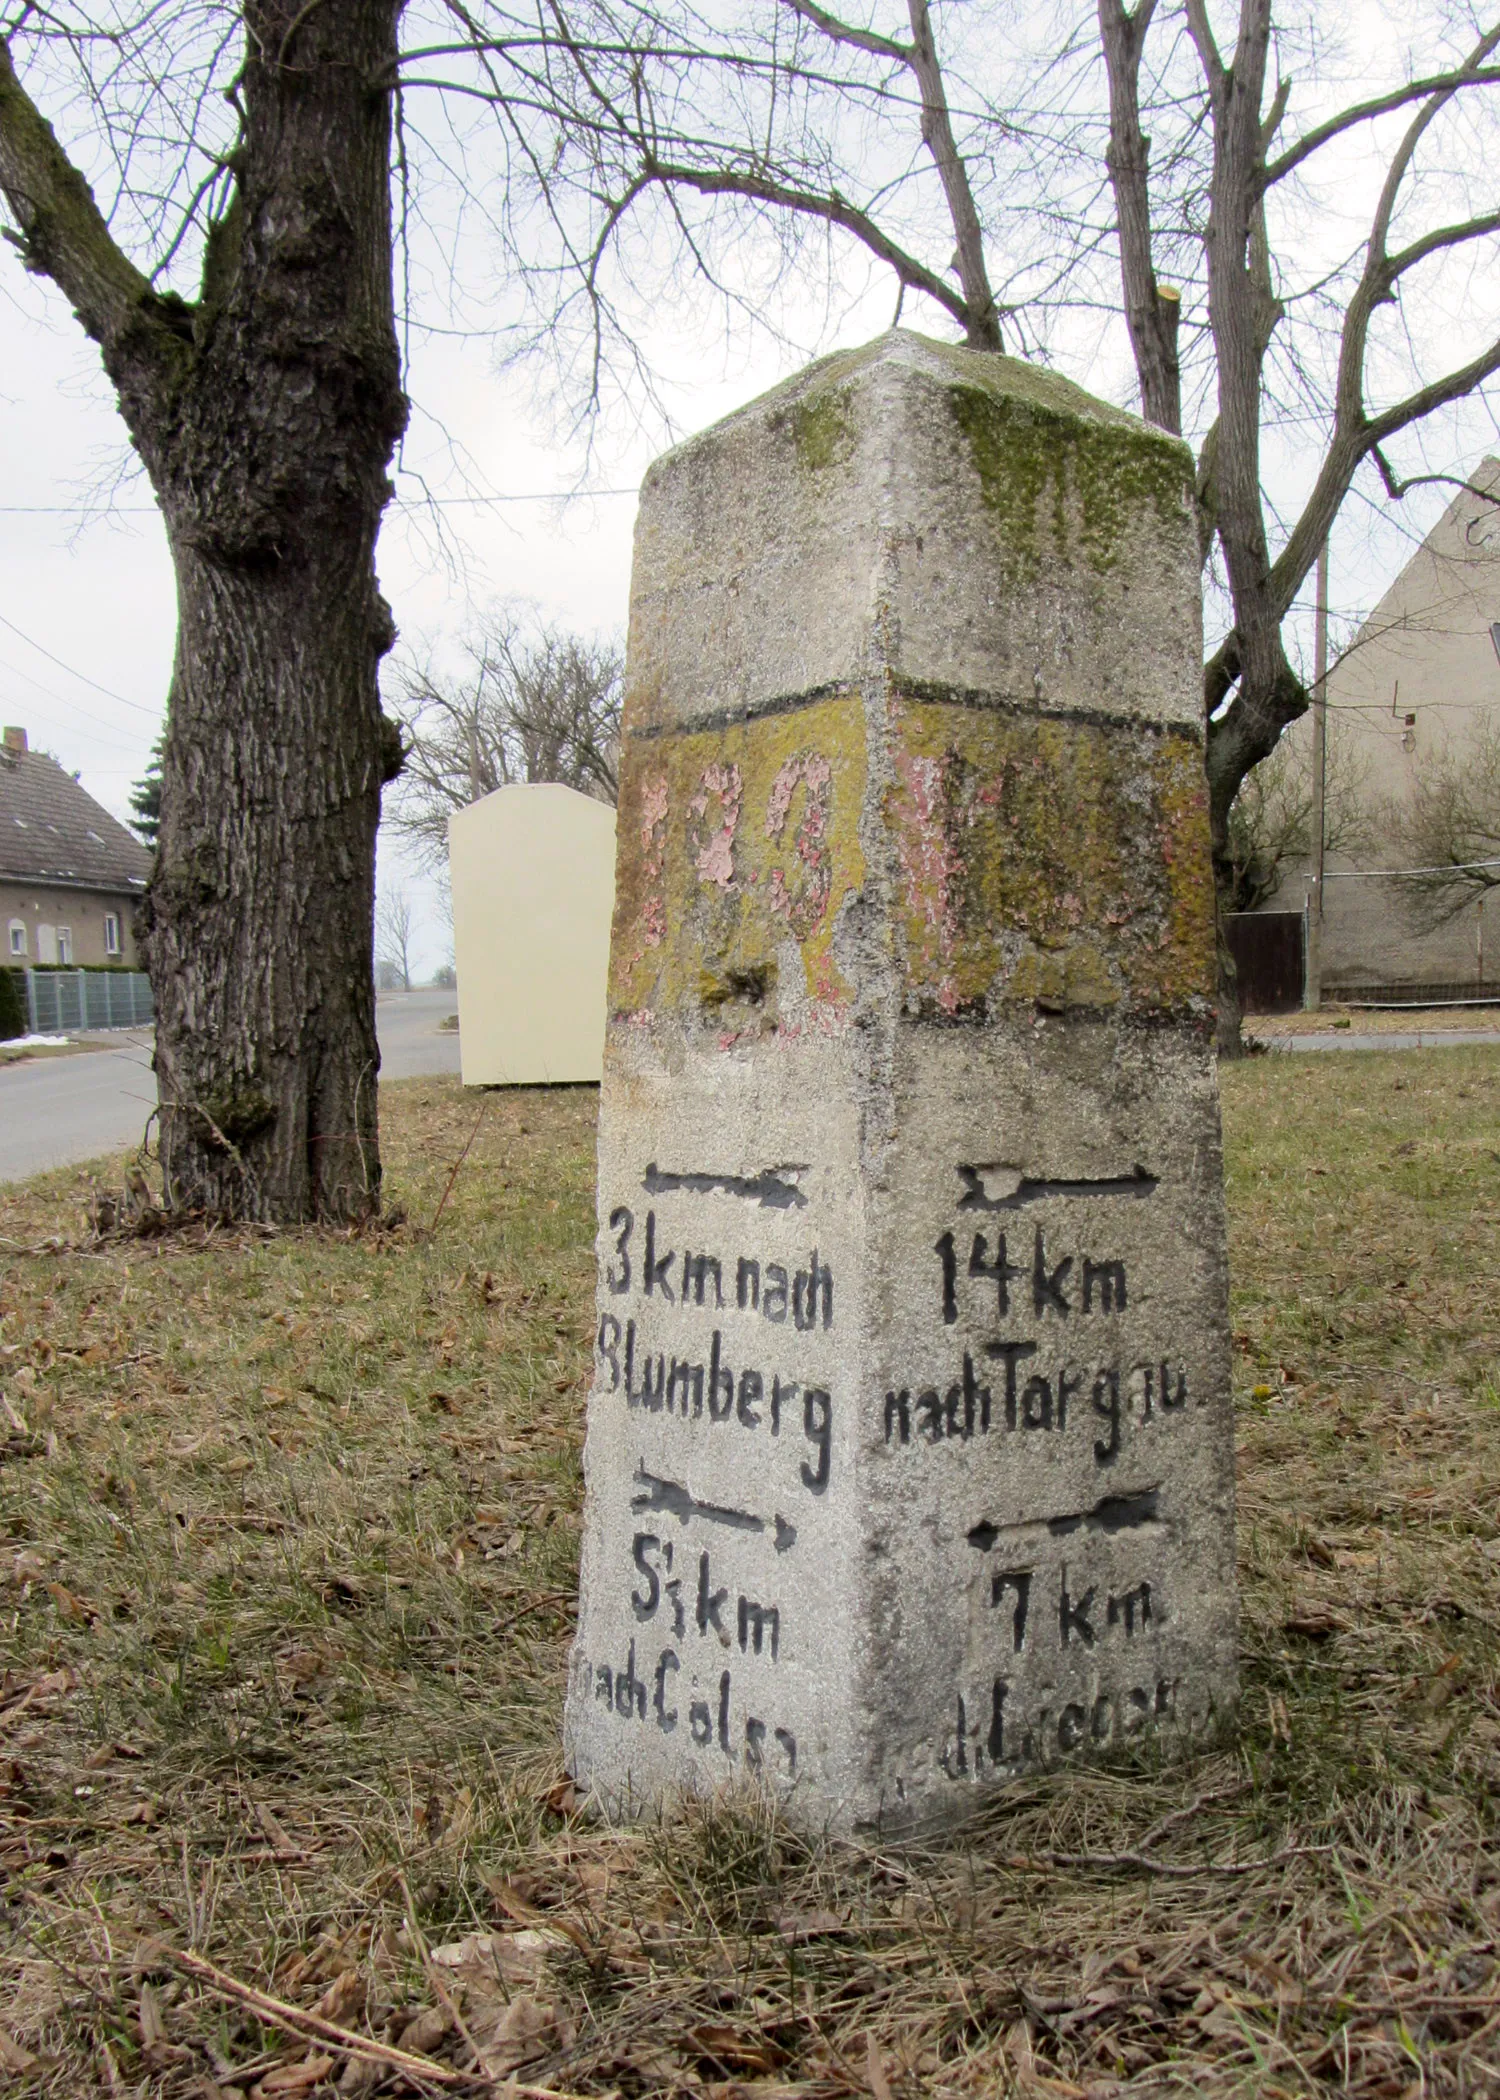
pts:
pixel 909 1461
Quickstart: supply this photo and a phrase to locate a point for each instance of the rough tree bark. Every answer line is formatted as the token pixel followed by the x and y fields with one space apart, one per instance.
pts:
pixel 266 414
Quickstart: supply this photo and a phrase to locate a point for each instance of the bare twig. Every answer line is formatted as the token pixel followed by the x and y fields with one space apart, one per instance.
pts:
pixel 295 2021
pixel 453 1175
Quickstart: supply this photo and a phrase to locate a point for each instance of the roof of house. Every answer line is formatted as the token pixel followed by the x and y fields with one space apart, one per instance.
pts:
pixel 1453 576
pixel 52 831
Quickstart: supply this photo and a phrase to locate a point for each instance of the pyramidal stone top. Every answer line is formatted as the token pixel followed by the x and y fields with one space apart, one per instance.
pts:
pixel 909 1465
pixel 918 501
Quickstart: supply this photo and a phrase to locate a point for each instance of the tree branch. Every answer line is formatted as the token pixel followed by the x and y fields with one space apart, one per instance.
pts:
pixel 60 231
pixel 1203 40
pixel 844 33
pixel 1451 387
pixel 1378 106
pixel 981 322
pixel 1441 237
pixel 835 209
pixel 1355 434
pixel 1151 313
pixel 1397 488
pixel 1401 159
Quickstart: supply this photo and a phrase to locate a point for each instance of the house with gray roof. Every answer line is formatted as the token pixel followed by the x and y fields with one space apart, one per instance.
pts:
pixel 70 875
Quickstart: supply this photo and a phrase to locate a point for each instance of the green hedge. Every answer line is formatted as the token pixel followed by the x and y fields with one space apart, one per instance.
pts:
pixel 13 1019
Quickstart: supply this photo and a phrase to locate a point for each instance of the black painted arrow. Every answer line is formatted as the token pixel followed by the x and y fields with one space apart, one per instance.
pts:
pixel 769 1189
pixel 1112 1513
pixel 1140 1183
pixel 679 1502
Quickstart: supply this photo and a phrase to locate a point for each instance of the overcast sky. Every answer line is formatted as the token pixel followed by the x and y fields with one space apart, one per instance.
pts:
pixel 86 596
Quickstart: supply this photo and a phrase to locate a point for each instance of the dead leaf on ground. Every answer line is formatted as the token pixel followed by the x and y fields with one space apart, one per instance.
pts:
pixel 294 2078
pixel 523 2030
pixel 486 1959
pixel 736 2048
pixel 1288 1990
pixel 12 2056
pixel 274 1830
pixel 875 2076
pixel 302 1665
pixel 153 2026
pixel 516 1894
pixel 422 2035
pixel 795 1925
pixel 1446 1682
pixel 1018 2049
pixel 341 1997
pixel 77 1610
pixel 1314 1625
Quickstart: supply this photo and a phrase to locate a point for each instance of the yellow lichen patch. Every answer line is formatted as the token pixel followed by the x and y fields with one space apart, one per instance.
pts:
pixel 734 841
pixel 1061 861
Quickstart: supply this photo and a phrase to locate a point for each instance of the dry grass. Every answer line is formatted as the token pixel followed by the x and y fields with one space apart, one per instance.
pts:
pixel 1376 1020
pixel 290 1536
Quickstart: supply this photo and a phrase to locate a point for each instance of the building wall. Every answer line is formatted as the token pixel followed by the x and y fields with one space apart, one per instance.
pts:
pixel 1422 675
pixel 533 876
pixel 1424 669
pixel 82 912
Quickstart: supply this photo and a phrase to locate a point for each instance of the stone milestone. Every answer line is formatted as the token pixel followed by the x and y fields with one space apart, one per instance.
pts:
pixel 909 1462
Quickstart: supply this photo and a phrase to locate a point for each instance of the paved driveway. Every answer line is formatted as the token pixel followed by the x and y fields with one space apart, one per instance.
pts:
pixel 61 1109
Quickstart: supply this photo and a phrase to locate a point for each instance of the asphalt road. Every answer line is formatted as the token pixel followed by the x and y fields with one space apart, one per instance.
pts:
pixel 57 1110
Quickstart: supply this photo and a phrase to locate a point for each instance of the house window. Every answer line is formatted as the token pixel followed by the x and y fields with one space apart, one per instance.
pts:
pixel 65 944
pixel 18 936
pixel 112 933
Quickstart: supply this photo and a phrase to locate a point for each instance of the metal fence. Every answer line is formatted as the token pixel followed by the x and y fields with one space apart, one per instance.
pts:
pixel 58 1001
pixel 1409 936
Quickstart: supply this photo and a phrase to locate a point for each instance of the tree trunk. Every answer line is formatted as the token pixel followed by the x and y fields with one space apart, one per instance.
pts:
pixel 259 917
pixel 266 415
pixel 1230 1013
pixel 269 457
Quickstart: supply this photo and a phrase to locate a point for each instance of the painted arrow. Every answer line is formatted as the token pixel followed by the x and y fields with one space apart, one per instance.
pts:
pixel 671 1496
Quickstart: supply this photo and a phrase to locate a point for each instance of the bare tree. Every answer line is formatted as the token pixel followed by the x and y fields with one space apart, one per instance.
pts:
pixel 265 409
pixel 393 928
pixel 1138 150
pixel 238 279
pixel 1270 821
pixel 534 705
pixel 1447 826
pixel 1252 690
pixel 250 150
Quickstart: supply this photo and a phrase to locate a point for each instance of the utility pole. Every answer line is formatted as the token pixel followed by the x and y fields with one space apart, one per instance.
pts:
pixel 1313 994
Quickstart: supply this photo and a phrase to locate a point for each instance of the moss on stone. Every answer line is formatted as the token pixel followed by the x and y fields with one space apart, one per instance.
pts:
pixel 823 428
pixel 1059 481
